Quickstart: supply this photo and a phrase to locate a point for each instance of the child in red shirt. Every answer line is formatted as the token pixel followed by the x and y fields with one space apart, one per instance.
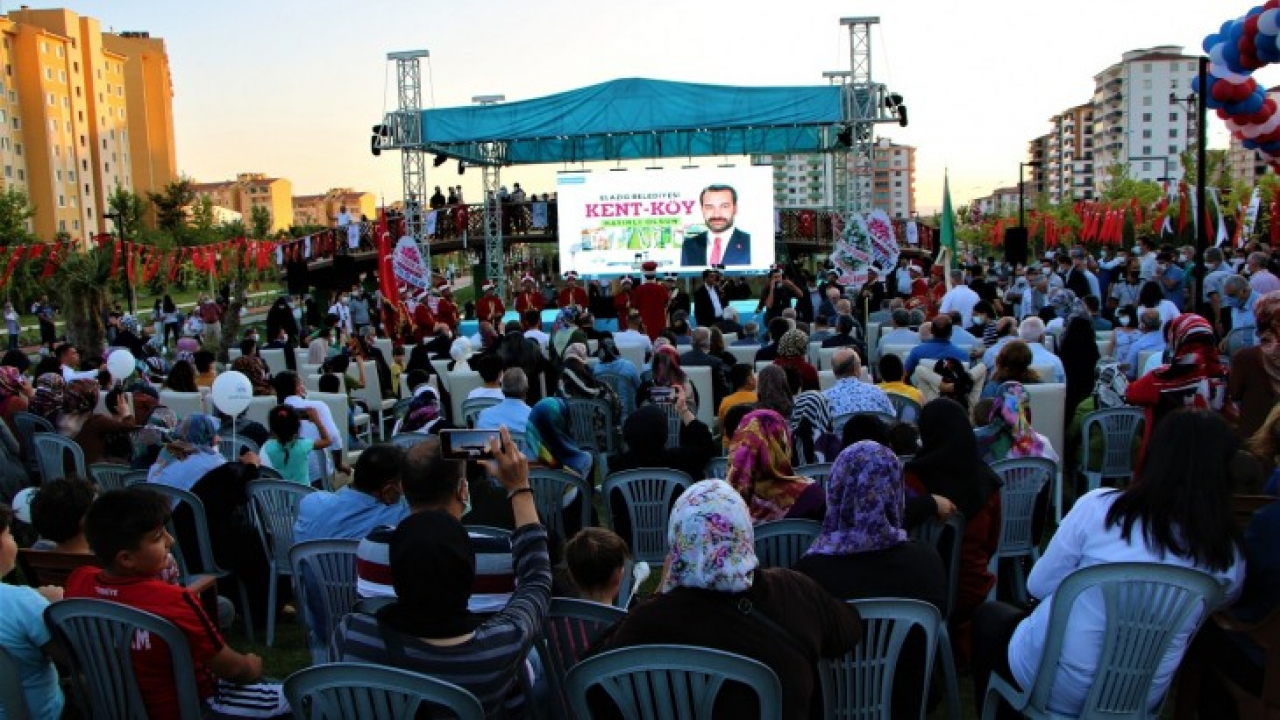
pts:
pixel 126 531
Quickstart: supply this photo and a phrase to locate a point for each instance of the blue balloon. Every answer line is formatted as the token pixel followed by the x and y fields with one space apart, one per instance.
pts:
pixel 1249 144
pixel 1267 50
pixel 1231 55
pixel 1248 106
pixel 1271 148
pixel 1257 10
pixel 1209 41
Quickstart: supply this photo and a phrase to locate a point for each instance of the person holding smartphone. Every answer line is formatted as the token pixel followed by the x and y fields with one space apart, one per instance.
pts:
pixel 779 294
pixel 431 628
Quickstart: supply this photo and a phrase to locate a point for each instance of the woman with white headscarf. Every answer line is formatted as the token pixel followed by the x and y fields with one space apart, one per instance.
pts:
pixel 714 594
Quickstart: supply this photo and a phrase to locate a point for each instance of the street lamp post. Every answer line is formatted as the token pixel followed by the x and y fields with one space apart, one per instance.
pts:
pixel 1022 193
pixel 117 221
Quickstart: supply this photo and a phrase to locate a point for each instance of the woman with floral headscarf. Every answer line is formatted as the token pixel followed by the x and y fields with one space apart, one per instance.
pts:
pixel 793 350
pixel 1255 371
pixel 15 395
pixel 51 389
pixel 564 333
pixel 424 415
pixel 90 429
pixel 813 429
pixel 1008 432
pixel 759 468
pixel 714 594
pixel 1195 378
pixel 864 552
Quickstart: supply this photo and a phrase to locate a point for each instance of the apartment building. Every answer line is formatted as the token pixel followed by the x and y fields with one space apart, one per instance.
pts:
pixel 1140 118
pixel 251 190
pixel 816 181
pixel 323 209
pixel 69 136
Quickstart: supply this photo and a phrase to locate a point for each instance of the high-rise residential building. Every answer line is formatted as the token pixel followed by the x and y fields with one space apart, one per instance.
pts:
pixel 323 209
pixel 814 181
pixel 1001 201
pixel 251 190
pixel 1139 120
pixel 1247 165
pixel 70 135
pixel 1066 156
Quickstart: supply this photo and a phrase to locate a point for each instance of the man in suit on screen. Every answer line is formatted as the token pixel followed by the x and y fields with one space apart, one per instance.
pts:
pixel 722 243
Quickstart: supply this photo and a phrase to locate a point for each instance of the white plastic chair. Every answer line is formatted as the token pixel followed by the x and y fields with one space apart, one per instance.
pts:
pixel 183 404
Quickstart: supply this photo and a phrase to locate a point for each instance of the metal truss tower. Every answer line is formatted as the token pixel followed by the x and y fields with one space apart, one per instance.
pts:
pixel 862 108
pixel 492 155
pixel 405 126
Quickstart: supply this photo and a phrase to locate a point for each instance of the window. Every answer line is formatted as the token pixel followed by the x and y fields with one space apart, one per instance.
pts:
pixel 44 47
pixel 75 224
pixel 17 148
pixel 1173 117
pixel 1146 117
pixel 80 116
pixel 66 101
pixel 1173 132
pixel 22 175
pixel 58 50
pixel 8 171
pixel 58 175
pixel 1146 149
pixel 77 91
pixel 1146 134
pixel 52 100
pixel 86 189
pixel 1173 149
pixel 75 66
pixel 62 201
pixel 1146 84
pixel 1146 67
pixel 48 73
pixel 62 76
pixel 62 225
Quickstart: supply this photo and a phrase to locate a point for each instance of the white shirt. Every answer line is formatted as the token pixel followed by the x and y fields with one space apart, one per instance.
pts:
pixel 714 294
pixel 484 392
pixel 310 431
pixel 1084 540
pixel 69 375
pixel 960 299
pixel 541 337
pixel 344 316
pixel 633 338
pixel 1040 355
pixel 1147 267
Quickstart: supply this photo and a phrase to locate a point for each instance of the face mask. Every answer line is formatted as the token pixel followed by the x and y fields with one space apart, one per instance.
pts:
pixel 1124 319
pixel 346 300
pixel 979 319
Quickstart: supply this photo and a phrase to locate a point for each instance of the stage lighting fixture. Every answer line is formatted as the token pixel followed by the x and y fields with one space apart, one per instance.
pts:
pixel 845 137
pixel 902 115
pixel 440 160
pixel 462 168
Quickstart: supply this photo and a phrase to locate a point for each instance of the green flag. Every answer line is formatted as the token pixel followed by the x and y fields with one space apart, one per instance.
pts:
pixel 947 227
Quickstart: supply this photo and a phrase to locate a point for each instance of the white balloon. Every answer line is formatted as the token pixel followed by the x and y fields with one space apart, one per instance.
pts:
pixel 232 392
pixel 121 364
pixel 1269 22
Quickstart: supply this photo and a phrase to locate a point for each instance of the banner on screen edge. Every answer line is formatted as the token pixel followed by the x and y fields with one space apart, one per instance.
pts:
pixel 684 220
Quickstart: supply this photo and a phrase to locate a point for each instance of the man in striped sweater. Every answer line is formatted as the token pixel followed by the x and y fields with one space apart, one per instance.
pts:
pixel 433 569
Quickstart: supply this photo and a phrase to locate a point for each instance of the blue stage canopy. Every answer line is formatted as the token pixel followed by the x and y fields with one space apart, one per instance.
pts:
pixel 637 118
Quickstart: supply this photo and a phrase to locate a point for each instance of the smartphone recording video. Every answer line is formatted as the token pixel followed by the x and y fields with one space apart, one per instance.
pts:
pixel 467 444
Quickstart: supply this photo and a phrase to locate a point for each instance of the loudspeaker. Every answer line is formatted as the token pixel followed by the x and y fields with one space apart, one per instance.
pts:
pixel 1015 245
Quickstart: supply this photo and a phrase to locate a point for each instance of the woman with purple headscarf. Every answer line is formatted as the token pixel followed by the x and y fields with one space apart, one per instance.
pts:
pixel 863 552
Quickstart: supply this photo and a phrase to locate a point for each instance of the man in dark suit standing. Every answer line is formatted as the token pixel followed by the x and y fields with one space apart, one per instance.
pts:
pixel 708 303
pixel 722 244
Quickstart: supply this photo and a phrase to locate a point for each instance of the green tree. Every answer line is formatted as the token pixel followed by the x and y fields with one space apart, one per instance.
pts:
pixel 15 211
pixel 1120 187
pixel 82 293
pixel 260 222
pixel 171 208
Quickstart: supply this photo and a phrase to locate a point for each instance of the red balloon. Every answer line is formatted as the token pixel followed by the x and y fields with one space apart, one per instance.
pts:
pixel 1221 91
pixel 1271 5
pixel 1250 28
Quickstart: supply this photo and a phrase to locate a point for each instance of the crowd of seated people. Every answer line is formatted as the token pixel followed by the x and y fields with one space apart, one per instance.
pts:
pixel 465 605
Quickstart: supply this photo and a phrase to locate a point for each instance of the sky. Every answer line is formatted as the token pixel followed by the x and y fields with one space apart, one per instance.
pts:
pixel 291 88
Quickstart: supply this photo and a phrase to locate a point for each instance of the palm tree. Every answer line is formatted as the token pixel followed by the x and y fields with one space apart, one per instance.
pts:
pixel 82 293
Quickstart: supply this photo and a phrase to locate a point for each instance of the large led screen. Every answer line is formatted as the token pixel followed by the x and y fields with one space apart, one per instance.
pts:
pixel 685 220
